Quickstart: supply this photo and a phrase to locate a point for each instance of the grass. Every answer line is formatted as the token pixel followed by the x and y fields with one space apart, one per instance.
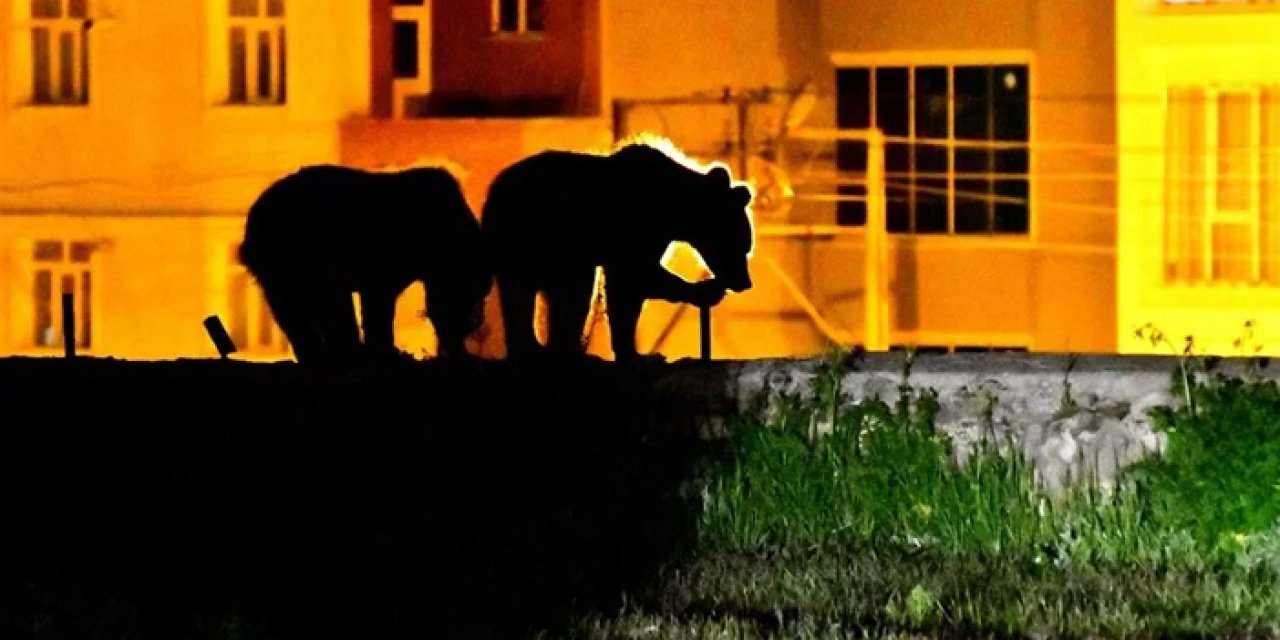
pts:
pixel 870 531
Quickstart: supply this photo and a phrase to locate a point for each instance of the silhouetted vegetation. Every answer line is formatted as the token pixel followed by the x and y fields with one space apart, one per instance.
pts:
pixel 496 499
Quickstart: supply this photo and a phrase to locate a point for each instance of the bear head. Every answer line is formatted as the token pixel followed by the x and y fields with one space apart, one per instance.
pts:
pixel 721 229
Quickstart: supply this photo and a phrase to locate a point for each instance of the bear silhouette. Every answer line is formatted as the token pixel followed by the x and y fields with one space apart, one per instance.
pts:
pixel 316 236
pixel 551 219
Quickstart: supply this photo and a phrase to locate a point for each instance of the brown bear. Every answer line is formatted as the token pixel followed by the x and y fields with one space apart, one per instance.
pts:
pixel 550 220
pixel 320 234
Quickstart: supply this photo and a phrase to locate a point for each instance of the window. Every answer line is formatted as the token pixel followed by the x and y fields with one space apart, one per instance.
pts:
pixel 519 16
pixel 252 327
pixel 257 53
pixel 956 156
pixel 1220 184
pixel 59 51
pixel 62 267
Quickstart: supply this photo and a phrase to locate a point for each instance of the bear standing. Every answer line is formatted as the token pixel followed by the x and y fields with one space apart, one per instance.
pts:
pixel 551 219
pixel 324 232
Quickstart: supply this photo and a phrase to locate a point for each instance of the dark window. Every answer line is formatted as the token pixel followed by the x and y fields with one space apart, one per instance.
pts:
pixel 953 159
pixel 405 48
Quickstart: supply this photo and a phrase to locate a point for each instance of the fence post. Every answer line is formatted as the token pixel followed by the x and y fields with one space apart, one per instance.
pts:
pixel 226 346
pixel 68 324
pixel 704 330
pixel 875 273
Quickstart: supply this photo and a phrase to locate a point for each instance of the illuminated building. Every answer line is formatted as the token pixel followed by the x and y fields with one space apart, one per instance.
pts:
pixel 131 148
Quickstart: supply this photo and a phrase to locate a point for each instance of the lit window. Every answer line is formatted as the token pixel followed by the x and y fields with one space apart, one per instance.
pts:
pixel 252 327
pixel 1221 214
pixel 61 268
pixel 59 55
pixel 956 156
pixel 519 16
pixel 257 62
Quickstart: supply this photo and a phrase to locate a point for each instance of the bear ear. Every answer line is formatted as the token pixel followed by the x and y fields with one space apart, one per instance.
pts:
pixel 741 196
pixel 719 175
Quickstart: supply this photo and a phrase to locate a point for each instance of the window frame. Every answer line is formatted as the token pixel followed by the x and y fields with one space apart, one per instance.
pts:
pixel 22 54
pixel 219 68
pixel 522 30
pixel 402 87
pixel 951 59
pixel 1210 213
pixel 88 325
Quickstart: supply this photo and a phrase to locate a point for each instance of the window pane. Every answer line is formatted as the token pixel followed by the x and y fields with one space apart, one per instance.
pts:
pixel 80 251
pixel 283 80
pixel 1012 218
pixel 68 287
pixel 853 111
pixel 265 325
pixel 931 102
pixel 1235 153
pixel 48 251
pixel 892 112
pixel 275 8
pixel 78 8
pixel 244 8
pixel 239 80
pixel 67 66
pixel 973 103
pixel 537 14
pixel 973 165
pixel 1011 104
pixel 264 65
pixel 238 309
pixel 508 15
pixel 405 48
pixel 42 293
pixel 46 8
pixel 42 67
pixel 86 309
pixel 893 117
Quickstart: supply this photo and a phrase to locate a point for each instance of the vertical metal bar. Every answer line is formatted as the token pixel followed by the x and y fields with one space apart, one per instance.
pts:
pixel 704 330
pixel 876 267
pixel 68 324
pixel 743 108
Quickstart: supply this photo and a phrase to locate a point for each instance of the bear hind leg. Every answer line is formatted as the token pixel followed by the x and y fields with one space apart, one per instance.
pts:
pixel 569 300
pixel 517 298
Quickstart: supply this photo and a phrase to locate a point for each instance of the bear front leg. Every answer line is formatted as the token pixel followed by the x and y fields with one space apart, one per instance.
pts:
pixel 378 309
pixel 625 295
pixel 336 317
pixel 290 311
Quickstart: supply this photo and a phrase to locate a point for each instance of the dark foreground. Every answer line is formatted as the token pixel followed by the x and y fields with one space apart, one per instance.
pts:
pixel 206 499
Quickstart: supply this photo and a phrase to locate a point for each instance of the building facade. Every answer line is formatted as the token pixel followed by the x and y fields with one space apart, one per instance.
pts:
pixel 1199 177
pixel 134 137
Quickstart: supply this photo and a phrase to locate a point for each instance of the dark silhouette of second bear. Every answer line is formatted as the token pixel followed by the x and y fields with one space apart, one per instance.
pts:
pixel 551 219
pixel 324 232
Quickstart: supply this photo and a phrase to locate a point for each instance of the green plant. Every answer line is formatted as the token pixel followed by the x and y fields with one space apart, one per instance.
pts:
pixel 1187 363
